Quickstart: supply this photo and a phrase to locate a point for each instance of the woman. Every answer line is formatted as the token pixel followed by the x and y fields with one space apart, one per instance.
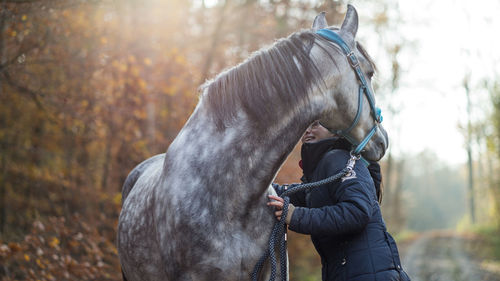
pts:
pixel 343 218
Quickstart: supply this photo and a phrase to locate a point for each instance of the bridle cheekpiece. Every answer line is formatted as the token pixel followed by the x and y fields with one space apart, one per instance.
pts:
pixel 363 89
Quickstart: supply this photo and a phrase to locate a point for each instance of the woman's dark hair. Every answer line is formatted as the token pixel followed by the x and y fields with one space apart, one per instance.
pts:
pixel 376 175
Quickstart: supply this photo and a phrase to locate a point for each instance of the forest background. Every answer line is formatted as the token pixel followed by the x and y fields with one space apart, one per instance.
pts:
pixel 90 88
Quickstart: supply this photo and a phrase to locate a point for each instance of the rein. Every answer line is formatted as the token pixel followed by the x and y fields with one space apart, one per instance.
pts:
pixel 278 234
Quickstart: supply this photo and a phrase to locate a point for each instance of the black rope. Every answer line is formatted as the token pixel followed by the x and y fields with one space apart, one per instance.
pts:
pixel 279 230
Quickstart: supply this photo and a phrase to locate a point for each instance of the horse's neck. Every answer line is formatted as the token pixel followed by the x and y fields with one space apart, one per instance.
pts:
pixel 238 161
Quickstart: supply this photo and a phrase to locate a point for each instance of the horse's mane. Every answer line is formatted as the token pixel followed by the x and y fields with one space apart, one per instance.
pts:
pixel 363 51
pixel 281 74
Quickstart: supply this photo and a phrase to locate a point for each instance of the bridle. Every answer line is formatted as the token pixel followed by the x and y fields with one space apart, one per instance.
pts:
pixel 363 89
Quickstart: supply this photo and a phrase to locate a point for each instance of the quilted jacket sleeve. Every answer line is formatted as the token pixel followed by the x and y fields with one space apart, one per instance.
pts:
pixel 351 211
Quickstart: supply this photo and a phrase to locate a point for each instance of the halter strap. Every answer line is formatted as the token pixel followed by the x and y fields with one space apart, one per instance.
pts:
pixel 363 89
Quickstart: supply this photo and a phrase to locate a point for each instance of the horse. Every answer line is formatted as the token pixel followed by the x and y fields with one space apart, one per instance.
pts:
pixel 198 212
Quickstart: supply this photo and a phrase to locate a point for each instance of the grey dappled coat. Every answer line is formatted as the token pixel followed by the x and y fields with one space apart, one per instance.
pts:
pixel 346 225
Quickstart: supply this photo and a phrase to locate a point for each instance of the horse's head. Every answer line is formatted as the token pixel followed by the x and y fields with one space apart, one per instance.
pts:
pixel 348 86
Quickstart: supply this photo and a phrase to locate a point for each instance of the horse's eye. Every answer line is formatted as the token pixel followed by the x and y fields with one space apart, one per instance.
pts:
pixel 370 74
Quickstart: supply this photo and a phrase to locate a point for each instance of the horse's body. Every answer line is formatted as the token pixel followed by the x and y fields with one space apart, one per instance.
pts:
pixel 198 212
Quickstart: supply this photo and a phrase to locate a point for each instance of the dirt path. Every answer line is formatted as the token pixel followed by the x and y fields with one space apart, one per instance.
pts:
pixel 447 256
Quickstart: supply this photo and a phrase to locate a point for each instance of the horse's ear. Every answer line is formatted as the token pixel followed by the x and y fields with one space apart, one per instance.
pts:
pixel 350 24
pixel 319 22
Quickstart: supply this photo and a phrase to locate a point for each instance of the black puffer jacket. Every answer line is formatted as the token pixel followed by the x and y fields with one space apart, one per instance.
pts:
pixel 344 220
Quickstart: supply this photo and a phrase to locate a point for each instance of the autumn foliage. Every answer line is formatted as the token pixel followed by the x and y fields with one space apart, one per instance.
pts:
pixel 61 249
pixel 88 89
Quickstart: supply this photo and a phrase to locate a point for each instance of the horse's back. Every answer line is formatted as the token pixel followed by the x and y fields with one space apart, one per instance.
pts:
pixel 137 172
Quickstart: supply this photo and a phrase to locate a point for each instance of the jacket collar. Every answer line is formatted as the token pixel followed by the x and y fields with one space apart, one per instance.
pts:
pixel 312 153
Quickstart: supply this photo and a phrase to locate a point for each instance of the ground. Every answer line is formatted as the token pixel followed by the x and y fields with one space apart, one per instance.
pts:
pixel 449 256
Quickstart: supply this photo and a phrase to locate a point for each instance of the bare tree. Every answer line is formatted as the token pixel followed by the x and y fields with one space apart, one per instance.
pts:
pixel 468 144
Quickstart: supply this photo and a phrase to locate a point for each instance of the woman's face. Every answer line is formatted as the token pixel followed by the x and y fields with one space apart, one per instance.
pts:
pixel 315 132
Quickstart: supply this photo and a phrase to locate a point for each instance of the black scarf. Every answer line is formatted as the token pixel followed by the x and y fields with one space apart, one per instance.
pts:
pixel 312 153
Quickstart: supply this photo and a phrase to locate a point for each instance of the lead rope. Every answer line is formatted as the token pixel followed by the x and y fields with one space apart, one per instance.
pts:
pixel 279 230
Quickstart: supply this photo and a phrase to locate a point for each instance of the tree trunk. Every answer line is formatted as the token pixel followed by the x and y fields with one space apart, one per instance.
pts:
pixel 3 143
pixel 217 36
pixel 397 210
pixel 468 140
pixel 3 187
pixel 387 182
pixel 107 158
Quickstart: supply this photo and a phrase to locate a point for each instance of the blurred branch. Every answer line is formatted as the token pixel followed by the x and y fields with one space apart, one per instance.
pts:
pixel 41 62
pixel 23 50
pixel 33 94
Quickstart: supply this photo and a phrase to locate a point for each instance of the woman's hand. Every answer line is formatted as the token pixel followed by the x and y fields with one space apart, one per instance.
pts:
pixel 278 202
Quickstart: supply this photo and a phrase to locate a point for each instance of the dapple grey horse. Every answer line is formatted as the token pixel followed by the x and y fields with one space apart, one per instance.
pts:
pixel 198 212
